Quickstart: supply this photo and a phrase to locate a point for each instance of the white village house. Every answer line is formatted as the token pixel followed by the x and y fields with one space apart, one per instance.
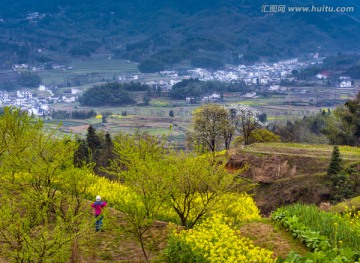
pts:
pixel 345 84
pixel 24 94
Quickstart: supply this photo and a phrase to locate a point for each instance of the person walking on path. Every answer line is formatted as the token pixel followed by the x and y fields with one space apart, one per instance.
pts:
pixel 98 206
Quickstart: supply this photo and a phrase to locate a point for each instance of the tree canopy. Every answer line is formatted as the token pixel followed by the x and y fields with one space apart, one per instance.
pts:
pixel 211 126
pixel 42 206
pixel 196 88
pixel 111 94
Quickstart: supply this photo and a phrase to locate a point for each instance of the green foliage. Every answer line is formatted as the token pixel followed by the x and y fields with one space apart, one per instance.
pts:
pixel 205 43
pixel 146 100
pixel 43 212
pixel 184 183
pixel 250 58
pixel 342 186
pixel 311 129
pixel 340 126
pixel 166 31
pixel 341 207
pixel 354 72
pixel 139 165
pixel 84 49
pixel 77 114
pixel 135 86
pixel 171 56
pixel 29 79
pixel 335 166
pixel 196 88
pixel 113 94
pixel 259 136
pixel 331 228
pixel 334 255
pixel 207 63
pixel 186 88
pixel 178 251
pixel 194 183
pixel 312 239
pixel 92 139
pixel 264 135
pixel 309 72
pixel 263 117
pixel 95 150
pixel 151 65
pixel 8 85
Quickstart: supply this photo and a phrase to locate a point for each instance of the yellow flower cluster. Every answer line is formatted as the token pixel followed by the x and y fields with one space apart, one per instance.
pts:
pixel 111 191
pixel 216 242
pixel 236 207
pixel 233 206
pixel 353 217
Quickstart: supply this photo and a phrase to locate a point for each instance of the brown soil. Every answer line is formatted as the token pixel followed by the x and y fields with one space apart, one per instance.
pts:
pixel 267 168
pixel 282 179
pixel 116 245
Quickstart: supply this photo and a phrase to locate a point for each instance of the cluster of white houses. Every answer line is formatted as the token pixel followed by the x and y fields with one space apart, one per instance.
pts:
pixel 36 105
pixel 268 75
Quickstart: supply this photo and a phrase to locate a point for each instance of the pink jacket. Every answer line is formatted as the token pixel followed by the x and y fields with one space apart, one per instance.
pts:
pixel 98 206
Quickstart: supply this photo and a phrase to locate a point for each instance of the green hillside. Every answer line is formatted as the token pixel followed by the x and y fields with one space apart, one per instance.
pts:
pixel 170 32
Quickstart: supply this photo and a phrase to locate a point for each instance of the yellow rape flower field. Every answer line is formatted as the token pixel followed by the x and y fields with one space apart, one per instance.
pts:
pixel 216 239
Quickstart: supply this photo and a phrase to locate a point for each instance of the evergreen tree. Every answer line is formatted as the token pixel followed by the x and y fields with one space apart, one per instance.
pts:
pixel 335 163
pixel 92 139
pixel 342 185
pixel 146 100
pixel 108 141
pixel 104 157
pixel 81 154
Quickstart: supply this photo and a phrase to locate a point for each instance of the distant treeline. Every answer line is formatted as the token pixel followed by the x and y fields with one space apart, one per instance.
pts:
pixel 196 88
pixel 111 94
pixel 169 57
pixel 80 115
pixel 340 126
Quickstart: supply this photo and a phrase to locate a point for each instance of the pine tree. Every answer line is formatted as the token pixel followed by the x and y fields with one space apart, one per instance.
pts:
pixel 81 154
pixel 92 139
pixel 335 163
pixel 342 185
pixel 104 156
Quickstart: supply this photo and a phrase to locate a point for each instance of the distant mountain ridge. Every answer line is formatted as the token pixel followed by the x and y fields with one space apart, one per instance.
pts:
pixel 225 31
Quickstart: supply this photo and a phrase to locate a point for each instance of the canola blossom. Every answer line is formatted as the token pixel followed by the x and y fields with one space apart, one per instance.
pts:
pixel 233 206
pixel 352 217
pixel 111 191
pixel 236 208
pixel 214 241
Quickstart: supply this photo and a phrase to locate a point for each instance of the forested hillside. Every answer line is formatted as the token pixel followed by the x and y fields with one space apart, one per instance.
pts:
pixel 164 33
